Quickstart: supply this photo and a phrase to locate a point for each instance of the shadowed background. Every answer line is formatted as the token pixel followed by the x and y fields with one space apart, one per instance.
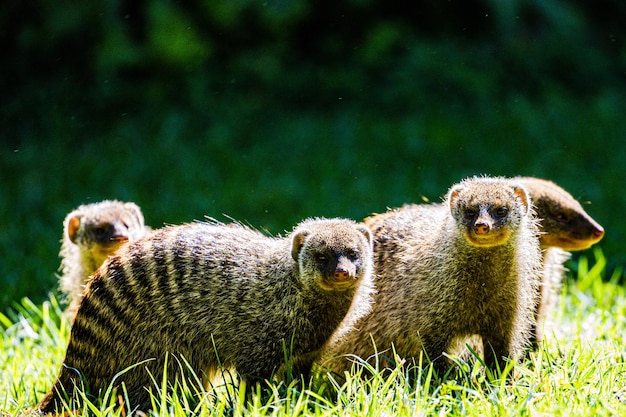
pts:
pixel 274 111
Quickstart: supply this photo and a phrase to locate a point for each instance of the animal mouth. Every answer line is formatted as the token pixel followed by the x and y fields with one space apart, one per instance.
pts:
pixel 575 244
pixel 486 240
pixel 331 284
pixel 569 243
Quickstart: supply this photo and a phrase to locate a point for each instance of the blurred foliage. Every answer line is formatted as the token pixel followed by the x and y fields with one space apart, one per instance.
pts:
pixel 273 111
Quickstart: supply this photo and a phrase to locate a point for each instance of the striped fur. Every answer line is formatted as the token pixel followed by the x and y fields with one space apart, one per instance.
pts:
pixel 213 294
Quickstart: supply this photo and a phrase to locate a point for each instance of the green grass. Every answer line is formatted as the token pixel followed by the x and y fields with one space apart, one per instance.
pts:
pixel 581 369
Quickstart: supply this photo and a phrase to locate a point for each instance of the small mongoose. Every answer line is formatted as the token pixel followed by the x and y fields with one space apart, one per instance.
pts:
pixel 565 226
pixel 92 233
pixel 445 273
pixel 212 295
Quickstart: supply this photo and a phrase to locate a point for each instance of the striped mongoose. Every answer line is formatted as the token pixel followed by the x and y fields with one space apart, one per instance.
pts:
pixel 91 233
pixel 446 272
pixel 214 295
pixel 565 226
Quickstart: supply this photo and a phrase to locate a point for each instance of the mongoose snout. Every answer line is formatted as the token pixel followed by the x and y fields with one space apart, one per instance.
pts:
pixel 482 226
pixel 345 270
pixel 489 221
pixel 583 233
pixel 339 271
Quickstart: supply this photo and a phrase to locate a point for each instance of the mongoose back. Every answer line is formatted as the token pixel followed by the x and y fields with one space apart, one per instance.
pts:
pixel 446 272
pixel 565 226
pixel 214 294
pixel 92 233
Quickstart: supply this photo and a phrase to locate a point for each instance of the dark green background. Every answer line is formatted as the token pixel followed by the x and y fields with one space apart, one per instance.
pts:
pixel 274 111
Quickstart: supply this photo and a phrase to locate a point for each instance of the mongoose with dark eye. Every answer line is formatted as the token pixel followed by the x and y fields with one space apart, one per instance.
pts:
pixel 92 233
pixel 214 295
pixel 446 272
pixel 565 226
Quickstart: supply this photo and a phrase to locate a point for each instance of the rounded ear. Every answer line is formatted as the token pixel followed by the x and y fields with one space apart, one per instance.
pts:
pixel 523 196
pixel 73 225
pixel 366 232
pixel 453 196
pixel 136 210
pixel 297 241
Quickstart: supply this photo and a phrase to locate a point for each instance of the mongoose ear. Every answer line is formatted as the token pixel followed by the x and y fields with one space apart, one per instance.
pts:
pixel 523 196
pixel 366 231
pixel 453 197
pixel 297 241
pixel 136 210
pixel 72 228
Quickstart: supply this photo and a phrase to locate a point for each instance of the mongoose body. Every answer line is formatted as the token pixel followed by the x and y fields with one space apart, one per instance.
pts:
pixel 447 272
pixel 565 226
pixel 92 233
pixel 214 295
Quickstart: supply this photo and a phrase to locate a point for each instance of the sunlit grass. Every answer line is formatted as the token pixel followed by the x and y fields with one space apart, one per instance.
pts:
pixel 579 371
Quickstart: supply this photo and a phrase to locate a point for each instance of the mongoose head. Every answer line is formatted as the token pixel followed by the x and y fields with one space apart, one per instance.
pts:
pixel 335 254
pixel 563 221
pixel 488 210
pixel 101 228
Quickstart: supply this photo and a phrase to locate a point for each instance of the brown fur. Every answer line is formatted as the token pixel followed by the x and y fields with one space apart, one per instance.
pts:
pixel 564 222
pixel 214 295
pixel 565 226
pixel 444 273
pixel 92 233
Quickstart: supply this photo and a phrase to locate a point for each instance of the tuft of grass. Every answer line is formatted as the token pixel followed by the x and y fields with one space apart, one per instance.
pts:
pixel 580 370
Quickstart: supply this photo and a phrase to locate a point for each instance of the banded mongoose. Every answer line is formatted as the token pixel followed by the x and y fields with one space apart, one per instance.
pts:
pixel 214 295
pixel 565 226
pixel 92 233
pixel 447 272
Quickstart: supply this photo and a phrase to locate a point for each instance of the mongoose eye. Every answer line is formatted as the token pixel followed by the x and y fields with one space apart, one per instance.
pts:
pixel 352 253
pixel 100 231
pixel 320 258
pixel 562 216
pixel 469 214
pixel 502 212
